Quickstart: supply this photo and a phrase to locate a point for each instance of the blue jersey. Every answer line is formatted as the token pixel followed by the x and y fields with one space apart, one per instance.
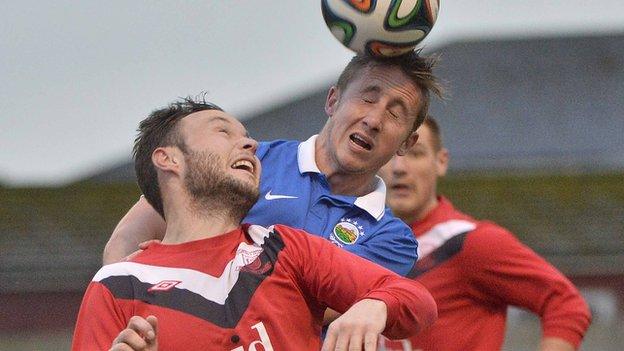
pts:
pixel 294 192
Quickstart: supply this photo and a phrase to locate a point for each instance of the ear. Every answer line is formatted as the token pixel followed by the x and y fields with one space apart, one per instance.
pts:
pixel 167 159
pixel 331 102
pixel 407 143
pixel 442 162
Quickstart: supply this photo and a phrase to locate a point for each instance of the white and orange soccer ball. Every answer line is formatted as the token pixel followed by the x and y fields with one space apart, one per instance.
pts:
pixel 380 27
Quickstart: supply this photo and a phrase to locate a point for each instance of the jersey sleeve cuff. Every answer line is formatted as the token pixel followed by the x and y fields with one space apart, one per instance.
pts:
pixel 392 305
pixel 568 335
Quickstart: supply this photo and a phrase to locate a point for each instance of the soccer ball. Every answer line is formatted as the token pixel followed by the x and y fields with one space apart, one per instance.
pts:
pixel 380 27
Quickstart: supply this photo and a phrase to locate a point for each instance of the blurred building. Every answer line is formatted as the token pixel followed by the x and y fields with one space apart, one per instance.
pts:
pixel 535 129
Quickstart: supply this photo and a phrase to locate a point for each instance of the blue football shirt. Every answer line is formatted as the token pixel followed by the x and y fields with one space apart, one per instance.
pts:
pixel 294 192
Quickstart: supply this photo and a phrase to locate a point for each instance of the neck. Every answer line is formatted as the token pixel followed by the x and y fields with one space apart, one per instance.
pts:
pixel 341 181
pixel 186 222
pixel 420 213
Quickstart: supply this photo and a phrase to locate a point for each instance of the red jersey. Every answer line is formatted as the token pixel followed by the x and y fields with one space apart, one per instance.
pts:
pixel 475 270
pixel 247 288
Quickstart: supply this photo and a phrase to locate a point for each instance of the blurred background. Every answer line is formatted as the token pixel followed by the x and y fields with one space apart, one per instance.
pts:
pixel 534 124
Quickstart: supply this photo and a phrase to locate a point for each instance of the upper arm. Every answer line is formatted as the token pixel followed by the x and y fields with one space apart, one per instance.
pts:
pixel 140 224
pixel 392 246
pixel 99 321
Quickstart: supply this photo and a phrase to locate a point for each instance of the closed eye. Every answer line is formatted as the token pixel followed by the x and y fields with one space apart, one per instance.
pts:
pixel 396 114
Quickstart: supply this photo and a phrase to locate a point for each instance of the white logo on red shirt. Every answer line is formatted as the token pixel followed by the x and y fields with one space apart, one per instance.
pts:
pixel 164 285
pixel 264 341
pixel 249 254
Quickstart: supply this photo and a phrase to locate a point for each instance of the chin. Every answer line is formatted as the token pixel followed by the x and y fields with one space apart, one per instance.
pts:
pixel 400 207
pixel 356 166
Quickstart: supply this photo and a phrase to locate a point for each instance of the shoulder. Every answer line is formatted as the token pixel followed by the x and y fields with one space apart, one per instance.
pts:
pixel 289 234
pixel 119 278
pixel 489 242
pixel 124 268
pixel 487 232
pixel 273 147
pixel 280 236
pixel 389 225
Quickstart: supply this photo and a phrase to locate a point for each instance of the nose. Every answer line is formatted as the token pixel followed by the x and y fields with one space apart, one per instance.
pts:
pixel 398 165
pixel 249 144
pixel 373 119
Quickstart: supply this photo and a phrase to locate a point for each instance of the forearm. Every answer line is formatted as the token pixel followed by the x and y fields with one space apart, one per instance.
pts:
pixel 140 224
pixel 523 278
pixel 555 344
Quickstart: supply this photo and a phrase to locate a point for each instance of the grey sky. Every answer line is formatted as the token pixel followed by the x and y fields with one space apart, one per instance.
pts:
pixel 77 77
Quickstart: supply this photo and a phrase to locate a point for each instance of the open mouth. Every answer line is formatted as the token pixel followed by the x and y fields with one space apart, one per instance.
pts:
pixel 358 140
pixel 244 165
pixel 399 187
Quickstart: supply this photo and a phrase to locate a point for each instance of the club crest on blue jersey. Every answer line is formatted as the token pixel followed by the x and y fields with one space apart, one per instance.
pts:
pixel 346 232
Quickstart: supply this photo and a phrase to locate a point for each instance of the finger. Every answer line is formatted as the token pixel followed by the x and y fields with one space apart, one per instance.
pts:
pixel 342 342
pixel 145 244
pixel 121 347
pixel 153 321
pixel 132 255
pixel 130 338
pixel 355 342
pixel 329 344
pixel 142 326
pixel 370 341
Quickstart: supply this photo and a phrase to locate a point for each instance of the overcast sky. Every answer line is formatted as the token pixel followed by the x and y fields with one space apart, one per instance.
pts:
pixel 76 77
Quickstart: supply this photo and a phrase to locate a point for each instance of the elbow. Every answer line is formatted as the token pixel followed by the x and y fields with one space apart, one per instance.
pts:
pixel 109 255
pixel 431 311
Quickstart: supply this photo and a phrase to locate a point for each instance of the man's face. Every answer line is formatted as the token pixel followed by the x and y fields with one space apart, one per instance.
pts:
pixel 412 179
pixel 220 163
pixel 371 119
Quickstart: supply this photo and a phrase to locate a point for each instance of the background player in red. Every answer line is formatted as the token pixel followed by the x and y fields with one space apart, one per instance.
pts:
pixel 474 269
pixel 212 284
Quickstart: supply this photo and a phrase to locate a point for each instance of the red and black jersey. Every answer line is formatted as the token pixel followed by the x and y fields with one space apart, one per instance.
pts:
pixel 243 289
pixel 475 270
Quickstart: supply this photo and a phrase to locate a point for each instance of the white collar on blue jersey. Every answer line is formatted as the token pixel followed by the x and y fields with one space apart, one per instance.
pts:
pixel 374 202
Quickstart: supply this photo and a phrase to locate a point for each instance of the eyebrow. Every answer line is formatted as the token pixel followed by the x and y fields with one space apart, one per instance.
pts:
pixel 377 89
pixel 219 118
pixel 227 121
pixel 371 89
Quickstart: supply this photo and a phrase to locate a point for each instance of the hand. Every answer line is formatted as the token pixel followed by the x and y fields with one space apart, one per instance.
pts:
pixel 142 246
pixel 555 344
pixel 360 326
pixel 330 316
pixel 139 335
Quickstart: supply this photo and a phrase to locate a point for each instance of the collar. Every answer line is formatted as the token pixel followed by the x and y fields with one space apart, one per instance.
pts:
pixel 306 156
pixel 443 211
pixel 374 202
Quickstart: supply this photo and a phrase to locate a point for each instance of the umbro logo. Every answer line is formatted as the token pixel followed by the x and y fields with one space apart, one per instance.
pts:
pixel 164 285
pixel 270 196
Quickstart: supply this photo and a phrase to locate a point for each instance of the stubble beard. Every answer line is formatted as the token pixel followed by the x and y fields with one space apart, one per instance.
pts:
pixel 215 193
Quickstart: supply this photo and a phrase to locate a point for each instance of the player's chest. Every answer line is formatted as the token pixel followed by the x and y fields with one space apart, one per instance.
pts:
pixel 241 322
pixel 309 206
